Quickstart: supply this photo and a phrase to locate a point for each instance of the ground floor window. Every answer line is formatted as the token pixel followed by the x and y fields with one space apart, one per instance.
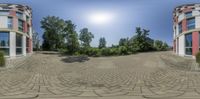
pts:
pixel 18 44
pixel 4 42
pixel 188 44
pixel 27 45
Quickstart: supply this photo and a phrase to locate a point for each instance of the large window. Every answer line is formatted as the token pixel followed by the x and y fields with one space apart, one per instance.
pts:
pixel 4 12
pixel 191 23
pixel 20 25
pixel 188 44
pixel 27 45
pixel 19 15
pixel 180 27
pixel 10 22
pixel 4 42
pixel 188 14
pixel 18 44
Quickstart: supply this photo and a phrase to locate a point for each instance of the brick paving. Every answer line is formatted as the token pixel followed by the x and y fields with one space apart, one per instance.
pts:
pixel 158 75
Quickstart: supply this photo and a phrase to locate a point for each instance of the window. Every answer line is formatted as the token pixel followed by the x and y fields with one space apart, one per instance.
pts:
pixel 19 15
pixel 10 22
pixel 3 12
pixel 20 25
pixel 190 23
pixel 4 42
pixel 188 14
pixel 180 27
pixel 18 44
pixel 27 45
pixel 27 18
pixel 188 44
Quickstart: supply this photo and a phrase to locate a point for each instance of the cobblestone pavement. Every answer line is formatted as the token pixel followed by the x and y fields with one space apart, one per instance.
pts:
pixel 159 75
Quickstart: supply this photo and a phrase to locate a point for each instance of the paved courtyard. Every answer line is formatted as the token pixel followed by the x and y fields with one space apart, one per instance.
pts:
pixel 159 75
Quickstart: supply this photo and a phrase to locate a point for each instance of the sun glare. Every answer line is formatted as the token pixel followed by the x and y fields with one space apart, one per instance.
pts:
pixel 101 18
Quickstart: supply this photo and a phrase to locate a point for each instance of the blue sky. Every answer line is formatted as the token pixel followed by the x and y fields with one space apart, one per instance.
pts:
pixel 155 15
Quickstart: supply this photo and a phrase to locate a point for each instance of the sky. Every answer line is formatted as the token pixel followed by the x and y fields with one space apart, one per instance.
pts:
pixel 112 19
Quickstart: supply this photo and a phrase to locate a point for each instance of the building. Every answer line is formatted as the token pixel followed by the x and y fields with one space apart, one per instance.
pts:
pixel 15 30
pixel 186 28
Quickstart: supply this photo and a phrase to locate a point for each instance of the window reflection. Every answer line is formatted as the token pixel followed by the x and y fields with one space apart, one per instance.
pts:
pixel 188 44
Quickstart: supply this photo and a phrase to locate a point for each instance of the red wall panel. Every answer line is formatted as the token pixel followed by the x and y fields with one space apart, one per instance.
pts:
pixel 195 43
pixel 184 25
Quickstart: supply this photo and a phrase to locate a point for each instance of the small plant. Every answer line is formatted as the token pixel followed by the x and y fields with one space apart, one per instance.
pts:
pixel 198 57
pixel 2 59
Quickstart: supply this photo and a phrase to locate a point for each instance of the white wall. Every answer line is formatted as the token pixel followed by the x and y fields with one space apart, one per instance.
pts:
pixel 197 23
pixel 177 30
pixel 181 17
pixel 12 44
pixel 3 21
pixel 24 45
pixel 195 12
pixel 182 45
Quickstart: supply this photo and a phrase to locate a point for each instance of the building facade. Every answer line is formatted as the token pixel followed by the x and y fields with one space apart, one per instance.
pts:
pixel 186 28
pixel 15 30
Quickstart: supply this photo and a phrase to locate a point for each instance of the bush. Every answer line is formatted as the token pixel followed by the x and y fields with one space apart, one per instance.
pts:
pixel 93 52
pixel 2 59
pixel 114 51
pixel 123 50
pixel 105 52
pixel 198 57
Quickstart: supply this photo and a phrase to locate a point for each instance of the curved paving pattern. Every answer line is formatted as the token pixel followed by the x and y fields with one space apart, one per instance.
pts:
pixel 148 75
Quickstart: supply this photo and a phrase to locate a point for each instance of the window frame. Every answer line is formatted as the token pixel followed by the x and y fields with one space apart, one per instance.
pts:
pixel 20 26
pixel 190 45
pixel 188 14
pixel 10 24
pixel 20 46
pixel 8 43
pixel 191 25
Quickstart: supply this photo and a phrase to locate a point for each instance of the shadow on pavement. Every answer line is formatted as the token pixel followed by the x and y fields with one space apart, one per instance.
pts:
pixel 71 59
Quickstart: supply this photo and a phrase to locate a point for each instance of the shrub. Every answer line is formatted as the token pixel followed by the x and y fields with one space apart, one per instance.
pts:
pixel 114 51
pixel 2 59
pixel 198 57
pixel 93 52
pixel 105 52
pixel 123 50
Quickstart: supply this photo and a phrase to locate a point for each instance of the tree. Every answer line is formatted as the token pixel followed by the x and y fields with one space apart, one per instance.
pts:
pixel 71 37
pixel 53 32
pixel 158 45
pixel 36 41
pixel 85 37
pixel 123 42
pixel 141 40
pixel 102 42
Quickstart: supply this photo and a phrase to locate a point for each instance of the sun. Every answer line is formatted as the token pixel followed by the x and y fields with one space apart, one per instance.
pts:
pixel 101 18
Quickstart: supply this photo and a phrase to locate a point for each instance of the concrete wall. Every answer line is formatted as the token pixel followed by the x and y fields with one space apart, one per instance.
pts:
pixel 12 44
pixel 3 22
pixel 182 45
pixel 197 23
pixel 181 17
pixel 24 45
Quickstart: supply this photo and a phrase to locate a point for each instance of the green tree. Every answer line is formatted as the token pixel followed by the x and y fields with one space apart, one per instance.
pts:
pixel 71 37
pixel 53 32
pixel 36 41
pixel 141 41
pixel 123 42
pixel 158 45
pixel 85 37
pixel 102 42
pixel 165 46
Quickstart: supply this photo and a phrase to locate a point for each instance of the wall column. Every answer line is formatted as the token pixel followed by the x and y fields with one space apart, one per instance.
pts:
pixel 12 44
pixel 184 25
pixel 24 45
pixel 195 43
